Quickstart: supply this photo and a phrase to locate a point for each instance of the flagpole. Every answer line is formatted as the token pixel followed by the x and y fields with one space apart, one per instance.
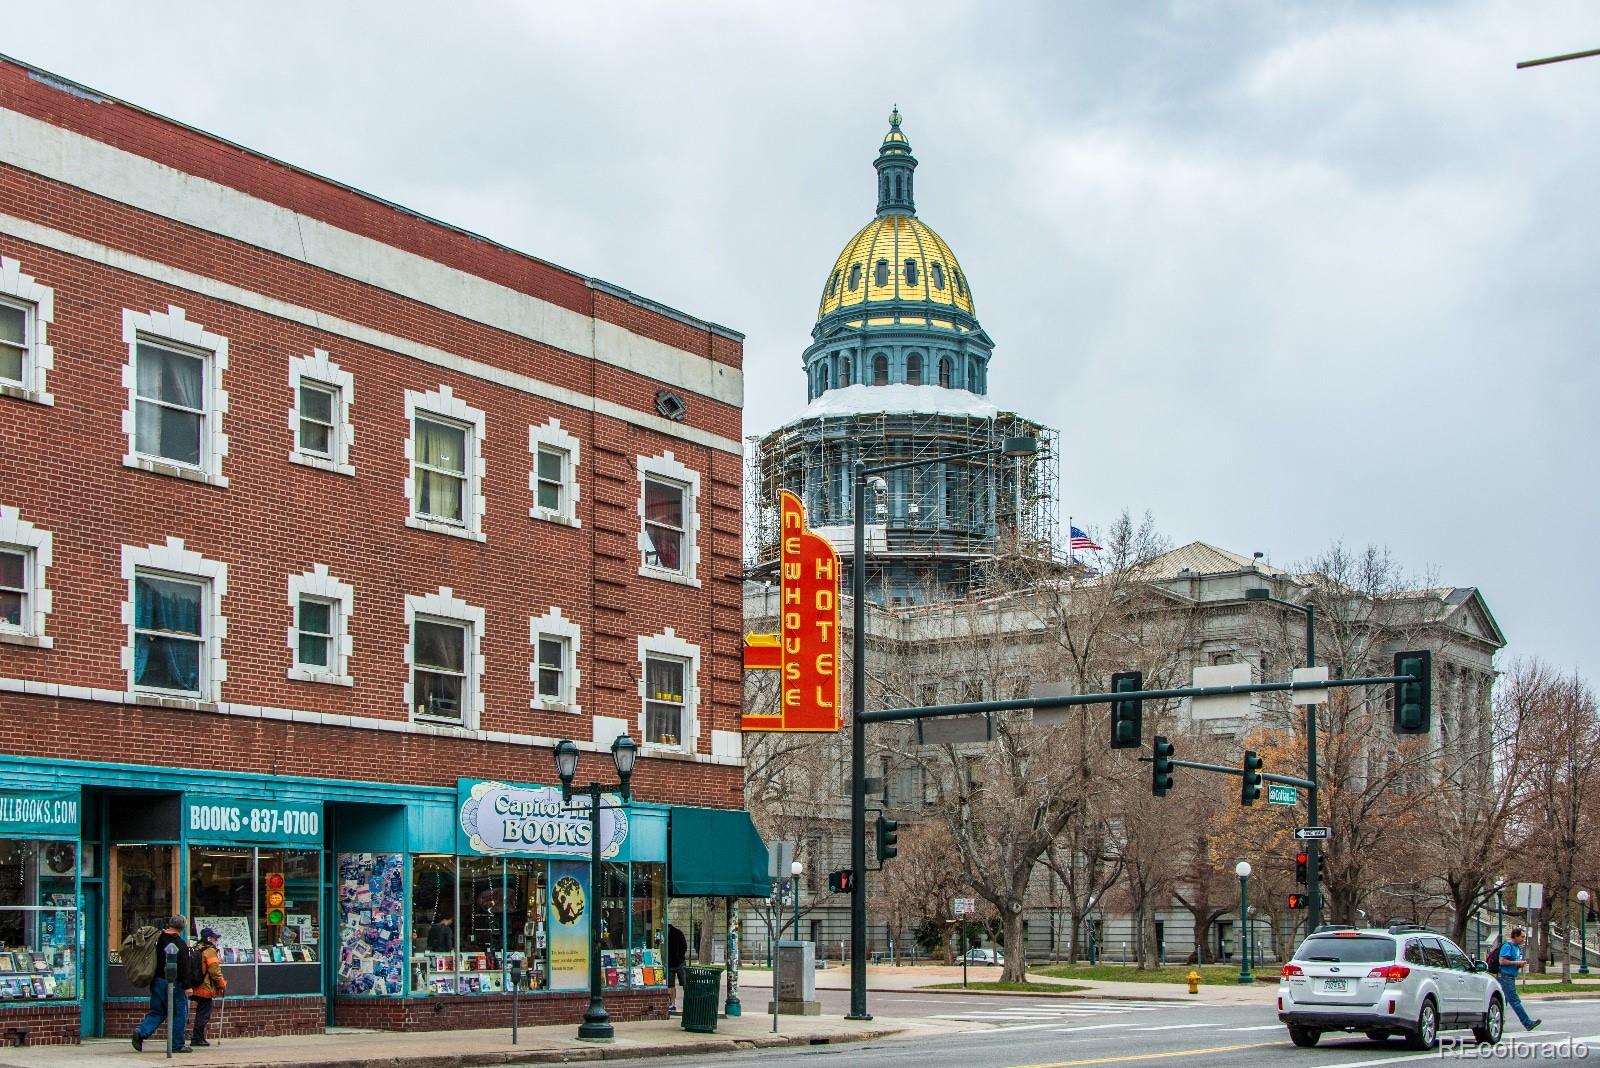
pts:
pixel 1070 528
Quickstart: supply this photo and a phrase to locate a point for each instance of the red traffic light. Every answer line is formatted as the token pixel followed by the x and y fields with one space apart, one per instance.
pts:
pixel 1301 858
pixel 275 880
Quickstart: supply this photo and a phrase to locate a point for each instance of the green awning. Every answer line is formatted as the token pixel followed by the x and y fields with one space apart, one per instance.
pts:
pixel 715 852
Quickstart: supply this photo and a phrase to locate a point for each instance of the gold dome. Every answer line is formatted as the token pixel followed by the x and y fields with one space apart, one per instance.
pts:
pixel 897 259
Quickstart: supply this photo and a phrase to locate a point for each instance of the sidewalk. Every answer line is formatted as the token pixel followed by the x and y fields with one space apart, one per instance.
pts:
pixel 358 1048
pixel 887 978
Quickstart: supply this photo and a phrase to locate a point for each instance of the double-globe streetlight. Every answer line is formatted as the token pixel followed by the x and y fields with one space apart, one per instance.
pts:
pixel 1012 447
pixel 1242 870
pixel 596 1026
pixel 1583 929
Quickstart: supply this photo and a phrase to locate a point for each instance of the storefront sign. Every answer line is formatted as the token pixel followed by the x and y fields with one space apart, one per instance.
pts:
pixel 503 819
pixel 212 818
pixel 570 909
pixel 53 813
pixel 805 651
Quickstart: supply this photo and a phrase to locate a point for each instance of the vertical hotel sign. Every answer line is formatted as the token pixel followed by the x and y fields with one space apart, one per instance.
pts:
pixel 805 651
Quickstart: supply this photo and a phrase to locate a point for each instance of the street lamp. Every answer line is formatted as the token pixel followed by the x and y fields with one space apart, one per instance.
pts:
pixel 1242 870
pixel 795 871
pixel 1499 910
pixel 1010 446
pixel 1583 929
pixel 596 1026
pixel 1313 847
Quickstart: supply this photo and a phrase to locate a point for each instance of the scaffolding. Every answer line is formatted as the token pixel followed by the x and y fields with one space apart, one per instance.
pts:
pixel 940 529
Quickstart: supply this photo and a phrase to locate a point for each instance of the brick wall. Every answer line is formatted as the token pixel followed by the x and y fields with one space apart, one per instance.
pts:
pixel 459 1013
pixel 238 1018
pixel 46 1025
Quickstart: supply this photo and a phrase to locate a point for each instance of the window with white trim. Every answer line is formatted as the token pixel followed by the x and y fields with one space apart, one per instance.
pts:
pixel 14 600
pixel 668 670
pixel 446 453
pixel 24 591
pixel 555 642
pixel 319 629
pixel 175 396
pixel 320 419
pixel 175 621
pixel 444 653
pixel 26 309
pixel 553 481
pixel 669 521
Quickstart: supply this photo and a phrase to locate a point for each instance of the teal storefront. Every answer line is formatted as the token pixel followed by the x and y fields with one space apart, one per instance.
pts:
pixel 335 900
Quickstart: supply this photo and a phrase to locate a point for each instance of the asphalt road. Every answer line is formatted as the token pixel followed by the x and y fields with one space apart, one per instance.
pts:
pixel 1056 1033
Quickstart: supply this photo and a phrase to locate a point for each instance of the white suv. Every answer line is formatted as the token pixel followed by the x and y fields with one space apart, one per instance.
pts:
pixel 1405 980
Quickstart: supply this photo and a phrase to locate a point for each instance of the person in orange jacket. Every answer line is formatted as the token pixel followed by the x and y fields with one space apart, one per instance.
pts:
pixel 212 985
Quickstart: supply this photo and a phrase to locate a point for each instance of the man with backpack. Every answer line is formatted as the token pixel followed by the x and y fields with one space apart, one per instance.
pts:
pixel 171 935
pixel 210 983
pixel 1505 961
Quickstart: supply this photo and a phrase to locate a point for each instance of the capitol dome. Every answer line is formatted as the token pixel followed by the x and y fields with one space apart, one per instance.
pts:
pixel 897 259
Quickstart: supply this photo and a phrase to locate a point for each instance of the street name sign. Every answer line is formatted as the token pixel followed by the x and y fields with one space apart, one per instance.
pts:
pixel 1530 895
pixel 1306 834
pixel 1282 794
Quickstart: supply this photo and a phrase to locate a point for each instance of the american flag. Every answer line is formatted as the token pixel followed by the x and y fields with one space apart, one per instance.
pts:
pixel 1080 540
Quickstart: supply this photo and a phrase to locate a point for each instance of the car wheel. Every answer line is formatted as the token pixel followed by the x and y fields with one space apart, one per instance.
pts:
pixel 1378 1036
pixel 1304 1036
pixel 1426 1036
pixel 1494 1022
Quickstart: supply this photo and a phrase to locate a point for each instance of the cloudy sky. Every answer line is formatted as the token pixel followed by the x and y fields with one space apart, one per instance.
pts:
pixel 1282 273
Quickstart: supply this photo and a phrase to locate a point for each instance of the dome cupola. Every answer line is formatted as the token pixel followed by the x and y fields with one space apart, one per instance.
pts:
pixel 895 165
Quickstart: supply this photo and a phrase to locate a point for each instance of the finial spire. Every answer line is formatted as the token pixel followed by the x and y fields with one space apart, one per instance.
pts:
pixel 895 165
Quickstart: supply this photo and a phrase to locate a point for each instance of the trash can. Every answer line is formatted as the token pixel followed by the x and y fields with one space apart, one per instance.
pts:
pixel 700 999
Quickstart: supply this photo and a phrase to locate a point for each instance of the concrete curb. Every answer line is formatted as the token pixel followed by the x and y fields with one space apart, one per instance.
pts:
pixel 707 1045
pixel 1185 999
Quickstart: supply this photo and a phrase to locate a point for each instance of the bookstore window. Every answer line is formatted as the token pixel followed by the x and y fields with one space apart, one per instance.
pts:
pixel 265 906
pixel 614 913
pixel 527 892
pixel 144 882
pixel 433 924
pixel 38 920
pixel 649 924
pixel 480 919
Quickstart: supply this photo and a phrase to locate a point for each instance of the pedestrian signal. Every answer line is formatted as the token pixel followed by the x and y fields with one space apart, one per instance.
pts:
pixel 1299 901
pixel 842 882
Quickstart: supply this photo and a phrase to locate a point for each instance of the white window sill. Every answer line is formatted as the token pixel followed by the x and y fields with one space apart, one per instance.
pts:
pixel 172 470
pixel 327 678
pixel 321 463
pixel 542 705
pixel 163 700
pixel 656 749
pixel 668 576
pixel 33 641
pixel 441 726
pixel 545 515
pixel 418 523
pixel 23 393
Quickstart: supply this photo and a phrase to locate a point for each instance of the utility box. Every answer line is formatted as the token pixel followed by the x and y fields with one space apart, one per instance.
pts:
pixel 795 985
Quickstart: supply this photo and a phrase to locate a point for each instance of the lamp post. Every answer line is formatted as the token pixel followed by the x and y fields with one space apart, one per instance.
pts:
pixel 596 1026
pixel 1242 870
pixel 1499 910
pixel 1313 847
pixel 795 871
pixel 1012 446
pixel 1583 929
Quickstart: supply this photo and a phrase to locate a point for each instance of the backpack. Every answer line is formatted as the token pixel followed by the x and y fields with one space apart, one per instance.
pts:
pixel 193 971
pixel 139 956
pixel 1493 960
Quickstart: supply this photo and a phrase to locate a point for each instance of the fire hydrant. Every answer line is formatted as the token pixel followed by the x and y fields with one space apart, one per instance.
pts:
pixel 1194 981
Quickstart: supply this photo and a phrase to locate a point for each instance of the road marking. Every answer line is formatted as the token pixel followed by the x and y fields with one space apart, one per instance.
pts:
pixel 1172 1027
pixel 1169 1054
pixel 1009 1030
pixel 1262 1027
pixel 1090 1027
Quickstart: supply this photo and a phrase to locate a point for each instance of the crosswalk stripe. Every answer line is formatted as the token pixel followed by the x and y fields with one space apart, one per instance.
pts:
pixel 1261 1027
pixel 1171 1027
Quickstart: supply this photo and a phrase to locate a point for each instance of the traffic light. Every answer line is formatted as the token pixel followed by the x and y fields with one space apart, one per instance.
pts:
pixel 887 837
pixel 1127 717
pixel 274 898
pixel 1161 766
pixel 842 882
pixel 1250 787
pixel 1302 863
pixel 1299 901
pixel 1413 700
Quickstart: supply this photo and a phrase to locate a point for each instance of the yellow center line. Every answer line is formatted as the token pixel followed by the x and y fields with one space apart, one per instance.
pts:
pixel 1148 1056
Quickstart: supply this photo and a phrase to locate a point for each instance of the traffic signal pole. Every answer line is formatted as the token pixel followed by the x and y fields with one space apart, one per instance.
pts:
pixel 1314 852
pixel 858 759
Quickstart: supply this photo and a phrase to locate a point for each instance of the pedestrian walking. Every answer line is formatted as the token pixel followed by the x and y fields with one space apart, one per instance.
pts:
pixel 171 935
pixel 211 984
pixel 1511 960
pixel 677 966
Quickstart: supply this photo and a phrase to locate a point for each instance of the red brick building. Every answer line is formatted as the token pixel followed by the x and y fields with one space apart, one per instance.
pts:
pixel 320 522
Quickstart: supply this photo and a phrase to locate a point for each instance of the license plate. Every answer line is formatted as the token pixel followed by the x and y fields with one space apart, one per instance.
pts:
pixel 1333 986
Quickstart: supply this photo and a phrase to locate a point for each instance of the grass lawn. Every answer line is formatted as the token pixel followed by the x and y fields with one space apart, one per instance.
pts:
pixel 1558 987
pixel 1210 974
pixel 1014 988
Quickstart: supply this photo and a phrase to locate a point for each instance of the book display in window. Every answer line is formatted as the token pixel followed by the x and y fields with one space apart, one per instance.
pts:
pixel 372 957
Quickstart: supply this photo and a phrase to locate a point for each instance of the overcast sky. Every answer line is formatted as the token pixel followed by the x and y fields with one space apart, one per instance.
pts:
pixel 1281 273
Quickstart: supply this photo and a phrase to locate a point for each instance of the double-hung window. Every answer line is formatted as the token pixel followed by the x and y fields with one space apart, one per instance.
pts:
pixel 15 605
pixel 318 420
pixel 16 330
pixel 664 526
pixel 316 629
pixel 553 653
pixel 440 680
pixel 170 417
pixel 169 634
pixel 551 477
pixel 664 704
pixel 439 470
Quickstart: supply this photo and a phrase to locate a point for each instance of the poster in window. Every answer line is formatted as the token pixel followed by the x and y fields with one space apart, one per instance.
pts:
pixel 570 909
pixel 371 906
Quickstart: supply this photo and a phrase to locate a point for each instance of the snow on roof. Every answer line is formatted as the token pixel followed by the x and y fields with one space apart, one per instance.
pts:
pixel 899 398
